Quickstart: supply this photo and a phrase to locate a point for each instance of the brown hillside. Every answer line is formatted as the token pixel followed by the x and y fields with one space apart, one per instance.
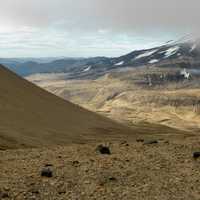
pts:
pixel 31 117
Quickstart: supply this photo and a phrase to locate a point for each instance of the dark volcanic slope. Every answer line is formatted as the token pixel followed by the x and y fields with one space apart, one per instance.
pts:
pixel 32 117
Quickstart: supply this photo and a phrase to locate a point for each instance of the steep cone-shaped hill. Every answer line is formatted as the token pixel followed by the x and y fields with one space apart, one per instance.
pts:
pixel 32 117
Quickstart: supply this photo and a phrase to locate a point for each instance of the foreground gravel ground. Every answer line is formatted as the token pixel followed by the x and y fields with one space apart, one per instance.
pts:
pixel 165 170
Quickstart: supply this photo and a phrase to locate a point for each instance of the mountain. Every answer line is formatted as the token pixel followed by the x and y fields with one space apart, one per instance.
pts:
pixel 66 65
pixel 182 53
pixel 31 117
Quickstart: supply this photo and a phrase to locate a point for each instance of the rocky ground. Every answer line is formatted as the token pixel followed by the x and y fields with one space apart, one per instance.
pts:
pixel 161 169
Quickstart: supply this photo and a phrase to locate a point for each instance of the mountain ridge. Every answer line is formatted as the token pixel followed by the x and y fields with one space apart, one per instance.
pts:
pixel 182 53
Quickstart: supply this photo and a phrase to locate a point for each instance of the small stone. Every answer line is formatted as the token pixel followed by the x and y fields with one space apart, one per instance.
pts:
pixel 76 163
pixel 61 188
pixel 140 140
pixel 4 195
pixel 124 142
pixel 47 172
pixel 48 165
pixel 196 154
pixel 151 142
pixel 61 191
pixel 112 179
pixel 34 191
pixel 103 149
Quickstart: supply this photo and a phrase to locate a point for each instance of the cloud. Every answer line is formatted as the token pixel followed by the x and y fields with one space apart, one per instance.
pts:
pixel 92 27
pixel 118 15
pixel 36 42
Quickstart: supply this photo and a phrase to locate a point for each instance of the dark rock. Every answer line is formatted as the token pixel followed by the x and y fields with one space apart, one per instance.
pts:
pixel 76 163
pixel 47 172
pixel 124 142
pixel 61 188
pixel 34 190
pixel 112 178
pixel 140 140
pixel 151 142
pixel 103 149
pixel 106 180
pixel 61 191
pixel 4 195
pixel 48 165
pixel 196 155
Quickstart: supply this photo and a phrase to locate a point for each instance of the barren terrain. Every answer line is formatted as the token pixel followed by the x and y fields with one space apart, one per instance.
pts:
pixel 162 171
pixel 134 95
pixel 32 117
pixel 52 149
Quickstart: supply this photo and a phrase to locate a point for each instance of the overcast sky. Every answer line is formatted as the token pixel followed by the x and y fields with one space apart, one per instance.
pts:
pixel 76 28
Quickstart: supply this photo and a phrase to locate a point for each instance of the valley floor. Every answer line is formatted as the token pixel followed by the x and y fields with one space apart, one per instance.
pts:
pixel 126 97
pixel 162 171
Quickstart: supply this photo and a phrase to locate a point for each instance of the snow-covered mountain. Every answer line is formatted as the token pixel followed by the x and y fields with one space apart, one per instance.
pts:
pixel 184 53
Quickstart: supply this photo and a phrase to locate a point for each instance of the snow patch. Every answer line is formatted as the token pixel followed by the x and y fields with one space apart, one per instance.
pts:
pixel 87 69
pixel 171 51
pixel 145 54
pixel 185 74
pixel 153 61
pixel 119 63
pixel 193 47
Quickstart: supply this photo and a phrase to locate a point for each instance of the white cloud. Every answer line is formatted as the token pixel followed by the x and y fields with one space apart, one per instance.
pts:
pixel 37 42
pixel 117 15
pixel 91 27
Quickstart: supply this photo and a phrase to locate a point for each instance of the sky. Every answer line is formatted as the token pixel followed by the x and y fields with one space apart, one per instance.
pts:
pixel 85 28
